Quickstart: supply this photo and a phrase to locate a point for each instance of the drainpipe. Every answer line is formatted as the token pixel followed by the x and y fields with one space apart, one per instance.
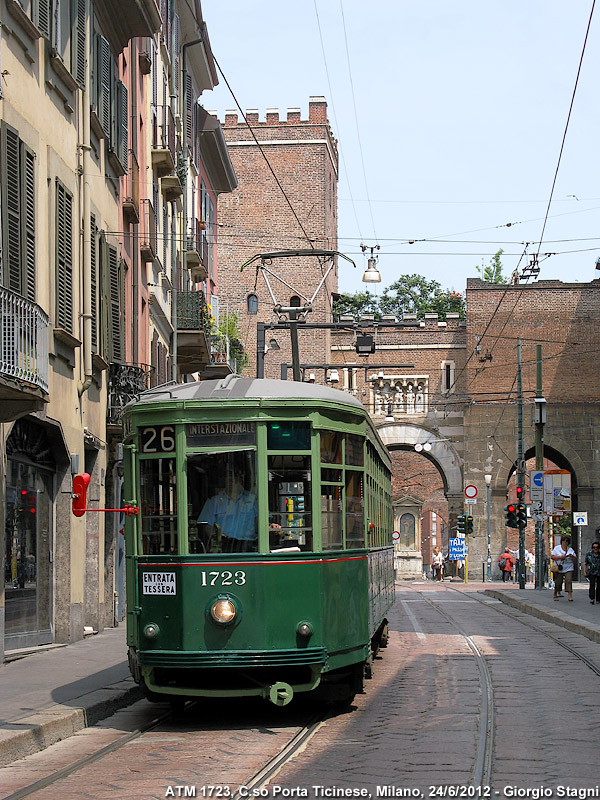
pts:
pixel 86 250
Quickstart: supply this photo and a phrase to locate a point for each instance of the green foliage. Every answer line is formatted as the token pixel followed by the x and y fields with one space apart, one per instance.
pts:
pixel 228 328
pixel 411 294
pixel 357 304
pixel 492 272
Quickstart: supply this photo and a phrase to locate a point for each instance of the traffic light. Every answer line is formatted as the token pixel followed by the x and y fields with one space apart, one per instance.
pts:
pixel 461 525
pixel 510 516
pixel 522 515
pixel 520 494
pixel 469 524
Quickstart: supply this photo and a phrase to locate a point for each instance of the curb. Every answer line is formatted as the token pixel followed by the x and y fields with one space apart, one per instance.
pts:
pixel 50 725
pixel 583 628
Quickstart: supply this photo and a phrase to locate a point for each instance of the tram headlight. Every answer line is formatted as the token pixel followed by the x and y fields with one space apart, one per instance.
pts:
pixel 151 630
pixel 223 611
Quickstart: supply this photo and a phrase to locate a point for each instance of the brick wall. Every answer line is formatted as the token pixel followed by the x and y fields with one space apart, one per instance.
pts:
pixel 257 218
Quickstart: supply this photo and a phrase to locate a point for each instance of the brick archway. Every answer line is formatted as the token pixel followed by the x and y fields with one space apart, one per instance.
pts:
pixel 442 452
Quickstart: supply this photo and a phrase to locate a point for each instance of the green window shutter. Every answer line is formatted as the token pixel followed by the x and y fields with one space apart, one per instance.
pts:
pixel 104 85
pixel 28 218
pixel 175 51
pixel 42 14
pixel 116 344
pixel 11 209
pixel 64 258
pixel 79 42
pixel 94 280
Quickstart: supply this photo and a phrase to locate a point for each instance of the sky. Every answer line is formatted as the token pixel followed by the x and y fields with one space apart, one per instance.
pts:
pixel 450 118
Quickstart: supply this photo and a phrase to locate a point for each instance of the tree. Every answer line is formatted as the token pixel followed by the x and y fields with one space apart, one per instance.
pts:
pixel 411 294
pixel 228 329
pixel 414 294
pixel 492 272
pixel 357 304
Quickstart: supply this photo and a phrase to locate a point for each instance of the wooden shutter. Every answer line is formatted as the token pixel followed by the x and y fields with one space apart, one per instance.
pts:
pixel 115 332
pixel 94 280
pixel 104 85
pixel 64 258
pixel 28 224
pixel 123 132
pixel 11 209
pixel 176 48
pixel 79 42
pixel 42 14
pixel 189 127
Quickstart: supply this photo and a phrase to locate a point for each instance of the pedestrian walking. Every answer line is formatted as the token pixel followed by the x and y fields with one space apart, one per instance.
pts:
pixel 438 564
pixel 591 571
pixel 564 558
pixel 506 563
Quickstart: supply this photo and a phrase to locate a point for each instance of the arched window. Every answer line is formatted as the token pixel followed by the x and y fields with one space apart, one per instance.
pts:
pixel 252 302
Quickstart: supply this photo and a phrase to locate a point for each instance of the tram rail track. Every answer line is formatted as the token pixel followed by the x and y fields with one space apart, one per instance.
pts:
pixel 255 782
pixel 482 769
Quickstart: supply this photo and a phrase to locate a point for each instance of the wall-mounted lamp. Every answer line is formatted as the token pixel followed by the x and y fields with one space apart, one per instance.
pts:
pixel 334 376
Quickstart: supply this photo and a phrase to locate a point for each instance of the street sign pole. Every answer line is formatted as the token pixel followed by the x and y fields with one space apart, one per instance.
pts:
pixel 520 472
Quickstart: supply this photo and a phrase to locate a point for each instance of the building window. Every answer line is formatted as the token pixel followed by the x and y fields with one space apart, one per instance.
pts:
pixel 17 173
pixel 252 302
pixel 448 370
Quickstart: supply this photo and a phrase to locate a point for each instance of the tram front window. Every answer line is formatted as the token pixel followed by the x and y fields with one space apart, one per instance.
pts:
pixel 222 503
pixel 290 519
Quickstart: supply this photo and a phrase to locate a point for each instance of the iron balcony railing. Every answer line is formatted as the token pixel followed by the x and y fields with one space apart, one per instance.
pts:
pixel 131 201
pixel 194 239
pixel 24 332
pixel 125 383
pixel 192 312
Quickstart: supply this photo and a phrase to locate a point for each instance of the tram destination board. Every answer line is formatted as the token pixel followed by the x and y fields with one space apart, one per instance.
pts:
pixel 219 434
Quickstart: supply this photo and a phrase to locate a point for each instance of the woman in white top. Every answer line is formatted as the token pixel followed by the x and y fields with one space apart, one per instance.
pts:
pixel 565 557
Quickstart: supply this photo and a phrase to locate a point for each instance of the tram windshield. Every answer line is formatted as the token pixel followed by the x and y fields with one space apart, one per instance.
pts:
pixel 222 502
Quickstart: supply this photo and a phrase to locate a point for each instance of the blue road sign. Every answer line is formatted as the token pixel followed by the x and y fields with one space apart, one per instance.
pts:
pixel 458 549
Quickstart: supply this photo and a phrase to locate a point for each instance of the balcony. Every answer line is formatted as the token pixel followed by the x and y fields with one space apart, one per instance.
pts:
pixel 164 154
pixel 24 357
pixel 125 383
pixel 122 20
pixel 148 237
pixel 193 332
pixel 197 251
pixel 131 201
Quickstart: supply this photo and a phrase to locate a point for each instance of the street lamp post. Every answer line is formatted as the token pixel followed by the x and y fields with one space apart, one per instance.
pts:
pixel 488 481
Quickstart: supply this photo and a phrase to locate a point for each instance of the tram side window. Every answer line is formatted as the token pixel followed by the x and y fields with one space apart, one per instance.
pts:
pixel 290 502
pixel 331 447
pixel 332 531
pixel 222 502
pixel 355 525
pixel 158 493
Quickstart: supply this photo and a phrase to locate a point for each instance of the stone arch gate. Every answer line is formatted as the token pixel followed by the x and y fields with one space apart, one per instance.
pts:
pixel 440 451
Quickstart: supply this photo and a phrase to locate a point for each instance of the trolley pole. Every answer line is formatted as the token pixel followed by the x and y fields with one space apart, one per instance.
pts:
pixel 520 471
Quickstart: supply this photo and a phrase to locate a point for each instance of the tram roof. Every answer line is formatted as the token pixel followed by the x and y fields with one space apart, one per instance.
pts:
pixel 234 387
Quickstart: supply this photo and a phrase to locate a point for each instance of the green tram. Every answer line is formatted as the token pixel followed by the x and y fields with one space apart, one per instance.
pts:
pixel 261 560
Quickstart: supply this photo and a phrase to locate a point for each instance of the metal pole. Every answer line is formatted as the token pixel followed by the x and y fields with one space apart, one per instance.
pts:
pixel 520 472
pixel 489 534
pixel 260 349
pixel 540 550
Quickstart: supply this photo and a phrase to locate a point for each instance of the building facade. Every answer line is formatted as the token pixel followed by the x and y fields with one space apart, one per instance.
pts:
pixel 109 174
pixel 296 210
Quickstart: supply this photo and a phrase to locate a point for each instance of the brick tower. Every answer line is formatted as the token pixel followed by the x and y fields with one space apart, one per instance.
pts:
pixel 257 218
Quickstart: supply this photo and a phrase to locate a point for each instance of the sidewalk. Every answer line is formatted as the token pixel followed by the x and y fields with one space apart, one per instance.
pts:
pixel 579 616
pixel 53 693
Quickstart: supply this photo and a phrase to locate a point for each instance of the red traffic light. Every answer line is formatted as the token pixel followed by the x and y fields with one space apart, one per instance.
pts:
pixel 519 491
pixel 511 509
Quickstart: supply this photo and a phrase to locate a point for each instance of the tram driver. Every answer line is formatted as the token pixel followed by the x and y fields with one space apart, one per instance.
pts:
pixel 233 511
